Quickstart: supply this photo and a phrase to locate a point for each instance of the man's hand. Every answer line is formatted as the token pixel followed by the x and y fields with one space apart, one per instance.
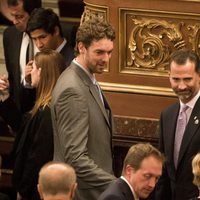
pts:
pixel 28 70
pixel 4 83
pixel 4 88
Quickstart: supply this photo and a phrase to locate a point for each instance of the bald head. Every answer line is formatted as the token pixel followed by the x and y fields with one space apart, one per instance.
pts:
pixel 56 178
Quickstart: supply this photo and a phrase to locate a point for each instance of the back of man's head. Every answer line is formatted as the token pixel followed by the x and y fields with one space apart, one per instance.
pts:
pixel 45 19
pixel 56 178
pixel 28 5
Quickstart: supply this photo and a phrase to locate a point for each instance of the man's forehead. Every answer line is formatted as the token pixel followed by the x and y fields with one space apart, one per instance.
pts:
pixel 16 9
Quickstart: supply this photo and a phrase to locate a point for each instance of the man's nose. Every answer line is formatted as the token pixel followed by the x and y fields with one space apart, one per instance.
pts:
pixel 106 57
pixel 182 85
pixel 39 44
pixel 152 182
pixel 14 21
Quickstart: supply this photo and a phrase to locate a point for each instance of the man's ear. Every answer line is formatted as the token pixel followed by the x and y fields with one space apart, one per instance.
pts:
pixel 56 31
pixel 73 189
pixel 128 171
pixel 40 191
pixel 81 47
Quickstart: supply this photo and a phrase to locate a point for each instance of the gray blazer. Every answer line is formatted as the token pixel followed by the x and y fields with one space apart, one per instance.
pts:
pixel 82 132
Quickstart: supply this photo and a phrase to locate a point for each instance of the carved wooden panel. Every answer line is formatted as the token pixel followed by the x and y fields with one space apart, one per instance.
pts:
pixel 147 38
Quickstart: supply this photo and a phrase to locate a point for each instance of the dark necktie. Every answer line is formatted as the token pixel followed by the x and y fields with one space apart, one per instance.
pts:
pixel 30 51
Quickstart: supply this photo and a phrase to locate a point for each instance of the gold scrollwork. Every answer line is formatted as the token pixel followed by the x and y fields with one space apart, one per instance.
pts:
pixel 155 37
pixel 90 13
pixel 194 34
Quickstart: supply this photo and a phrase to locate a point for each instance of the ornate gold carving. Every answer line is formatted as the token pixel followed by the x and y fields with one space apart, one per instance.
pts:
pixel 194 34
pixel 91 11
pixel 153 51
pixel 148 38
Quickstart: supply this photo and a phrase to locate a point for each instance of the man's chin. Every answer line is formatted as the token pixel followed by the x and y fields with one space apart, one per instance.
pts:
pixel 184 98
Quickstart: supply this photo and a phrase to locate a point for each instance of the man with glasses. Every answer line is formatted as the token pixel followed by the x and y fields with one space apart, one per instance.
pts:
pixel 16 44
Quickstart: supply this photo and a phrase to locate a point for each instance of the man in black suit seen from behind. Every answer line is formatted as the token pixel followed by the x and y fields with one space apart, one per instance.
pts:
pixel 176 182
pixel 141 170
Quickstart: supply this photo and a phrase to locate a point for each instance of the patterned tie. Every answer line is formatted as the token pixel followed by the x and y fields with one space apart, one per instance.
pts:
pixel 180 129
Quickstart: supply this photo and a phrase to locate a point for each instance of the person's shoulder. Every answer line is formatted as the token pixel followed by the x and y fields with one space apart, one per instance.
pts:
pixel 11 33
pixel 171 108
pixel 11 29
pixel 114 191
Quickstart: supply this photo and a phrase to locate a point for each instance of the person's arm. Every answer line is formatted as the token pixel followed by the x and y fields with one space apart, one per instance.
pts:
pixel 72 124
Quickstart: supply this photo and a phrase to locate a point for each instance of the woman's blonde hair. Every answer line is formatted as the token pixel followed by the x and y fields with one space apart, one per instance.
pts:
pixel 51 63
pixel 196 169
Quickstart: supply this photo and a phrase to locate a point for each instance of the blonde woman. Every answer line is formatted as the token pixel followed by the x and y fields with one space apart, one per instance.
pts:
pixel 34 142
pixel 196 172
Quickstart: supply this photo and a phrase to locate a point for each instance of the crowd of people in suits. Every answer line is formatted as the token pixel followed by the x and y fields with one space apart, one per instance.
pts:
pixel 60 113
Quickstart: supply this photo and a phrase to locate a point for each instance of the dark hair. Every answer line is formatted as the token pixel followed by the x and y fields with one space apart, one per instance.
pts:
pixel 28 5
pixel 182 56
pixel 93 30
pixel 45 19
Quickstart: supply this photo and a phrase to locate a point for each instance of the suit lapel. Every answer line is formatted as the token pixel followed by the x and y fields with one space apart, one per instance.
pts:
pixel 99 102
pixel 87 81
pixel 126 191
pixel 170 126
pixel 191 129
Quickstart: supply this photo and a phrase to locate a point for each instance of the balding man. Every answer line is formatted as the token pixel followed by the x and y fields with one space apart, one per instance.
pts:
pixel 57 180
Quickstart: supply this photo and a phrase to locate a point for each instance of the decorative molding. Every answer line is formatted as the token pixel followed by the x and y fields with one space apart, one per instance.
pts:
pixel 6 139
pixel 147 38
pixel 51 4
pixel 6 171
pixel 138 89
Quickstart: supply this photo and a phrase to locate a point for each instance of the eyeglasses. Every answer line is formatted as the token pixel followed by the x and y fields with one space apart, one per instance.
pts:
pixel 19 17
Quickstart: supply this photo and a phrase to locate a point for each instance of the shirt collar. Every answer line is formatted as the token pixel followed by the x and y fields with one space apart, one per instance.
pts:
pixel 192 102
pixel 91 76
pixel 61 46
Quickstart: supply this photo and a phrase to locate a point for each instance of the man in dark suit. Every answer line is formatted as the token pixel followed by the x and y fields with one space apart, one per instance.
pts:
pixel 45 30
pixel 141 170
pixel 81 115
pixel 15 43
pixel 176 183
